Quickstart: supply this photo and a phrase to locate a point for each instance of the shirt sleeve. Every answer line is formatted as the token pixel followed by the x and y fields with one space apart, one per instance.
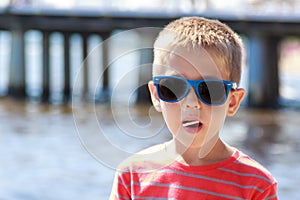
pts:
pixel 120 191
pixel 270 193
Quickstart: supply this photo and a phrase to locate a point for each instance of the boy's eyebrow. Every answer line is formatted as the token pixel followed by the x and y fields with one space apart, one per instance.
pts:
pixel 176 74
pixel 200 78
pixel 213 78
pixel 173 74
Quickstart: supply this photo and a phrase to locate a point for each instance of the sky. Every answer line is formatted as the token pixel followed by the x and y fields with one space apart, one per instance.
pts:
pixel 275 7
pixel 179 5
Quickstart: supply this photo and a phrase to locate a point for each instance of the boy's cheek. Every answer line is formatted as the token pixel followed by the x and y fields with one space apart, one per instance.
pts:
pixel 171 112
pixel 218 116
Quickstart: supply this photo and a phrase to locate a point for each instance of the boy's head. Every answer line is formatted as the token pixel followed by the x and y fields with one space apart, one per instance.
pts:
pixel 197 66
pixel 193 33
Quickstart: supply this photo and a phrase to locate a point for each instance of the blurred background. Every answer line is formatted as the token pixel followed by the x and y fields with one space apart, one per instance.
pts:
pixel 73 77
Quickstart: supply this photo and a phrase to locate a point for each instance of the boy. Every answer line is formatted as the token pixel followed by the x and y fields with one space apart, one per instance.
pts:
pixel 196 70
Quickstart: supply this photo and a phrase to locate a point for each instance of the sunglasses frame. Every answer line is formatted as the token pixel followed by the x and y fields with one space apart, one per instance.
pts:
pixel 194 83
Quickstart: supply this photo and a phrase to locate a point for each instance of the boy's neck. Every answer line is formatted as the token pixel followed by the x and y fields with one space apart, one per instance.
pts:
pixel 192 156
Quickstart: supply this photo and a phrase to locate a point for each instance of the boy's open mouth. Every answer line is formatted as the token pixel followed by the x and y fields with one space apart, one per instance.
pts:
pixel 192 126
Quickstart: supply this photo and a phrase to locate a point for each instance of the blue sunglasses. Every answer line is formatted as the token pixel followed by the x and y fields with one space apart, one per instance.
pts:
pixel 175 88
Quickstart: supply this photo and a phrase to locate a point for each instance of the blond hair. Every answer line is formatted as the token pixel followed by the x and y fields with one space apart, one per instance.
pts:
pixel 222 43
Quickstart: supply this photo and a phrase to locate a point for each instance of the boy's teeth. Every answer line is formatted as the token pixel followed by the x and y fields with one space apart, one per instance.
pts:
pixel 185 124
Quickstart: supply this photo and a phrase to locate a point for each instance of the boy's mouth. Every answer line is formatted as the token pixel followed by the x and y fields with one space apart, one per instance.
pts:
pixel 192 126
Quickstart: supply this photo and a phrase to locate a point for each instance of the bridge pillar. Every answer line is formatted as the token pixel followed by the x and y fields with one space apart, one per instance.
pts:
pixel 17 82
pixel 46 68
pixel 85 66
pixel 147 38
pixel 105 93
pixel 263 71
pixel 67 71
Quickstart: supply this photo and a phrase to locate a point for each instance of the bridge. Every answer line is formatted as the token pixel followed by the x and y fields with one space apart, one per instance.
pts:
pixel 264 34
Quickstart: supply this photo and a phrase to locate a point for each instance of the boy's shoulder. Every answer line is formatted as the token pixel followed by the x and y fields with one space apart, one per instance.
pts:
pixel 147 160
pixel 247 167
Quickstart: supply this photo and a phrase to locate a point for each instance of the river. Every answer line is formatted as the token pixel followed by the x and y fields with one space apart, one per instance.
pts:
pixel 53 152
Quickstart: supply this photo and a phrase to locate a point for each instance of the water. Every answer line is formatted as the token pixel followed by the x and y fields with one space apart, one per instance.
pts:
pixel 42 157
pixel 42 154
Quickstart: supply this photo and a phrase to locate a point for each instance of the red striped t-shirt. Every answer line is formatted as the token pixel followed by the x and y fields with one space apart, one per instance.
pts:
pixel 238 177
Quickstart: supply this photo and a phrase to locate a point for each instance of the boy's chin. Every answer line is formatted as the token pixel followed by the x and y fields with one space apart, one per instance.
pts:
pixel 196 141
pixel 188 142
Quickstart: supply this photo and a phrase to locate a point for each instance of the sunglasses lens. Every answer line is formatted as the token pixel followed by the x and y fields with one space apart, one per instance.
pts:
pixel 171 89
pixel 212 92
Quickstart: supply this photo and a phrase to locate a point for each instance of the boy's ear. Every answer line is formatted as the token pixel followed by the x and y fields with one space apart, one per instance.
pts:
pixel 154 96
pixel 236 98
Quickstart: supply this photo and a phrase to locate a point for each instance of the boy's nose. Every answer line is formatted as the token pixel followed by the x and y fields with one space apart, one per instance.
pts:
pixel 191 100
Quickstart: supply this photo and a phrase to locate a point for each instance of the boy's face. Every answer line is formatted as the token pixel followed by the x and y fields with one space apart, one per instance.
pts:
pixel 205 120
